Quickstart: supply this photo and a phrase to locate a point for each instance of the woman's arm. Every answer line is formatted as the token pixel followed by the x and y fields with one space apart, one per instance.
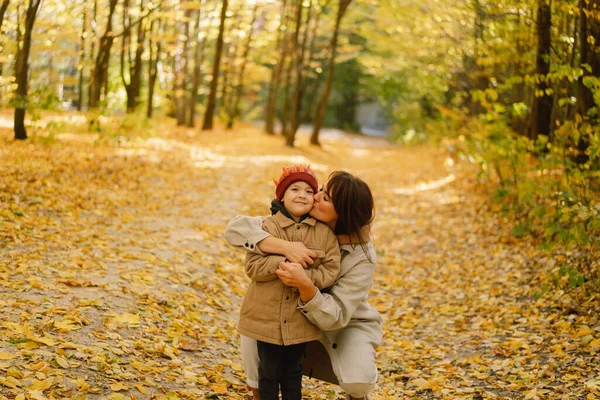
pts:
pixel 293 274
pixel 248 234
pixel 334 309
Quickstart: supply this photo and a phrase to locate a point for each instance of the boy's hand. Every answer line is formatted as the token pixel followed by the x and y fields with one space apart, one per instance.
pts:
pixel 292 274
pixel 297 252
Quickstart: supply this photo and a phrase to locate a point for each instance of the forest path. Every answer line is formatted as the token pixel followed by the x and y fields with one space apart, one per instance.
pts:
pixel 116 280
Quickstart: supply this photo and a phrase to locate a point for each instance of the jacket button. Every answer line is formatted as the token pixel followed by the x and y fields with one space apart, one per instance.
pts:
pixel 297 226
pixel 287 297
pixel 285 321
pixel 334 345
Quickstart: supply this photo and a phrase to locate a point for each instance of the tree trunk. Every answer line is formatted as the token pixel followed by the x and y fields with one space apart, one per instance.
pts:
pixel 182 117
pixel 198 57
pixel 3 9
pixel 92 51
pixel 541 112
pixel 585 97
pixel 287 133
pixel 240 81
pixel 298 88
pixel 22 70
pixel 177 75
pixel 136 70
pixel 314 89
pixel 572 91
pixel 132 88
pixel 230 51
pixel 153 66
pixel 126 49
pixel 276 74
pixel 82 56
pixel 590 63
pixel 210 106
pixel 322 106
pixel 100 74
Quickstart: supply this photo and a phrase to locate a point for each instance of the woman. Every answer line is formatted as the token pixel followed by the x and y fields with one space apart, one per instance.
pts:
pixel 351 327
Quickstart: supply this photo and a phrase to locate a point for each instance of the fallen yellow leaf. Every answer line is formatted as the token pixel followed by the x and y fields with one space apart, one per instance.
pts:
pixel 62 362
pixel 128 318
pixel 420 383
pixel 37 395
pixel 117 386
pixel 40 385
pixel 219 389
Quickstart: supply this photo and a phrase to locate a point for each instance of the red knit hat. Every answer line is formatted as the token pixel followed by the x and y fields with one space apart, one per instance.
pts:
pixel 293 174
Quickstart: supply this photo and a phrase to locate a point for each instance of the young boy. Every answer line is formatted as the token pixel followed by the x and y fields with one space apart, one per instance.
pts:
pixel 268 313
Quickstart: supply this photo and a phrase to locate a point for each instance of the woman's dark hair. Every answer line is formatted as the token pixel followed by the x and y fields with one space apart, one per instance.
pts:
pixel 353 202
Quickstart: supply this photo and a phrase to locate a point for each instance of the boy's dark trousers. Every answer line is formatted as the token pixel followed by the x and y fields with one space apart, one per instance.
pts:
pixel 280 365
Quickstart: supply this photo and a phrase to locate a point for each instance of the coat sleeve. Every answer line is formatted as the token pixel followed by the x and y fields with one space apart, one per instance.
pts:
pixel 262 267
pixel 246 232
pixel 325 274
pixel 333 310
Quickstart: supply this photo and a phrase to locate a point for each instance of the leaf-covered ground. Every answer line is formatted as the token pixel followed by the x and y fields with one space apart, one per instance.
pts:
pixel 115 280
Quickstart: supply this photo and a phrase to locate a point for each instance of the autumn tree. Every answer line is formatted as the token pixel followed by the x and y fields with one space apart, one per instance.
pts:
pixel 541 112
pixel 22 69
pixel 199 49
pixel 233 106
pixel 99 73
pixel 282 49
pixel 212 96
pixel 299 76
pixel 3 8
pixel 322 105
pixel 589 38
pixel 131 45
pixel 154 48
pixel 180 66
pixel 82 44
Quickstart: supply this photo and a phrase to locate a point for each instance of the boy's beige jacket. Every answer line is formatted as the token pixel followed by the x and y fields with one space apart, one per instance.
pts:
pixel 269 311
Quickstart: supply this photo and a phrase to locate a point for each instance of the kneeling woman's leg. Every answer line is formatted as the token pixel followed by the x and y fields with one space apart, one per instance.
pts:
pixel 353 360
pixel 250 360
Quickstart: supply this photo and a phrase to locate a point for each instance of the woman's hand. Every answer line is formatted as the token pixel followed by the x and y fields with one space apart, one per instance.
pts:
pixel 297 252
pixel 293 274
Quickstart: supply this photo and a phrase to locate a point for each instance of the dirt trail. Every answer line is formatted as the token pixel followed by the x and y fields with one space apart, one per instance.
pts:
pixel 116 280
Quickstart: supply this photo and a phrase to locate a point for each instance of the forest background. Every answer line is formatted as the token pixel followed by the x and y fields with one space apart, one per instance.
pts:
pixel 511 88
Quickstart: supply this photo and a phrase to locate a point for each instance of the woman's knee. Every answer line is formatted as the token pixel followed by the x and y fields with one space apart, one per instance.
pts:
pixel 358 390
pixel 357 366
pixel 358 379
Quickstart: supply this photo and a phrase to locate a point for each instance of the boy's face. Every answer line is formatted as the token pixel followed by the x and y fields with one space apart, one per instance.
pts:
pixel 298 198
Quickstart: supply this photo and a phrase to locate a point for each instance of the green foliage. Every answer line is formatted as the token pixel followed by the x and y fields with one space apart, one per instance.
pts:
pixel 343 102
pixel 552 198
pixel 571 275
pixel 44 98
